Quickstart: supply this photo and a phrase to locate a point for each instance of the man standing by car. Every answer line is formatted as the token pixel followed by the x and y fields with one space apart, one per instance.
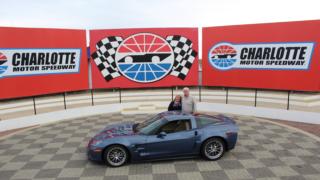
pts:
pixel 188 103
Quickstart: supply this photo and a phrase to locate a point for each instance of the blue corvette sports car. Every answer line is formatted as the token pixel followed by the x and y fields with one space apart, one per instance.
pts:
pixel 167 135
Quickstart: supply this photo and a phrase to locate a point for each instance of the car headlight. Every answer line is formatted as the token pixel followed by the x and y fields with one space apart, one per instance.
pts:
pixel 95 142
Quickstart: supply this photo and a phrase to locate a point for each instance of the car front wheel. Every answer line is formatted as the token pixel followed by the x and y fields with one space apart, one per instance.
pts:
pixel 213 149
pixel 115 156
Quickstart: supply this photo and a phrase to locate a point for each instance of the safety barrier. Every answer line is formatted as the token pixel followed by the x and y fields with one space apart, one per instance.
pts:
pixel 287 100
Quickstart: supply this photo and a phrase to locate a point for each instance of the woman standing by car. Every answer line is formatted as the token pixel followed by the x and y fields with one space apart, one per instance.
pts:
pixel 175 105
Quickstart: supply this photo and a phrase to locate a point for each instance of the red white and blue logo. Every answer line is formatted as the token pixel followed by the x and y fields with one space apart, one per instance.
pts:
pixel 3 66
pixel 222 57
pixel 144 57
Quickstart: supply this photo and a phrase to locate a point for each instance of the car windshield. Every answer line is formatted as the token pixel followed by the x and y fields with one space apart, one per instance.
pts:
pixel 150 126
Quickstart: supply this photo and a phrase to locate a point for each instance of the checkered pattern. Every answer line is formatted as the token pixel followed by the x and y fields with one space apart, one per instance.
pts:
pixel 105 55
pixel 58 151
pixel 183 53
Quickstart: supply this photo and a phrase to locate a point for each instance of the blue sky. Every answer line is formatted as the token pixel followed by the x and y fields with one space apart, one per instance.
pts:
pixel 101 14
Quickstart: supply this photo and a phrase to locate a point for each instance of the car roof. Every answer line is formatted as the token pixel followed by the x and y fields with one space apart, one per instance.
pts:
pixel 173 115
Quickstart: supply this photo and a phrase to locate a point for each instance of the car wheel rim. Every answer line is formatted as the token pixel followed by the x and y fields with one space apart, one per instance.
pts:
pixel 214 149
pixel 116 156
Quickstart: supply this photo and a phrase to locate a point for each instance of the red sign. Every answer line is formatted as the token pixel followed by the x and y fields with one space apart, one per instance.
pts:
pixel 42 61
pixel 153 57
pixel 281 56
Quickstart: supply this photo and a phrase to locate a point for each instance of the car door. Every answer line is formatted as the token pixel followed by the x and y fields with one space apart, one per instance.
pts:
pixel 180 141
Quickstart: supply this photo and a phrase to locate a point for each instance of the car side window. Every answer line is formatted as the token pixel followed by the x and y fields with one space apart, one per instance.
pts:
pixel 202 121
pixel 152 127
pixel 176 126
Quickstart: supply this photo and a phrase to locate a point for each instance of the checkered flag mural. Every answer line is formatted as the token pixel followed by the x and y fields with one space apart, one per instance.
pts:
pixel 104 56
pixel 184 55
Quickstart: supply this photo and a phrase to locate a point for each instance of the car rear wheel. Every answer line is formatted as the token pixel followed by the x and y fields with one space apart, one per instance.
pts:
pixel 115 156
pixel 213 149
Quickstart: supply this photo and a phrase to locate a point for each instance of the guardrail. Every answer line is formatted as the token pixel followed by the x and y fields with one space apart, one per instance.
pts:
pixel 289 100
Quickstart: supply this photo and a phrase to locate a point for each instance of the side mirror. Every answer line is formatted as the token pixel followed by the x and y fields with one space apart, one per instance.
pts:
pixel 162 134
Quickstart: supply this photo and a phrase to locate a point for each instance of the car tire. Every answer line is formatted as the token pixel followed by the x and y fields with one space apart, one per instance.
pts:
pixel 115 156
pixel 213 149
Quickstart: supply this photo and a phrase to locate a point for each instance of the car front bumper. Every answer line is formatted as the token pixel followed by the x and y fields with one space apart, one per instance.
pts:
pixel 232 141
pixel 94 154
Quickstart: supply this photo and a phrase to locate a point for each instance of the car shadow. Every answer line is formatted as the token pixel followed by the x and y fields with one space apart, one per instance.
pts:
pixel 154 161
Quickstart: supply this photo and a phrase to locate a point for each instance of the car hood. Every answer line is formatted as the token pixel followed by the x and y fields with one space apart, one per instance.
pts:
pixel 225 118
pixel 116 130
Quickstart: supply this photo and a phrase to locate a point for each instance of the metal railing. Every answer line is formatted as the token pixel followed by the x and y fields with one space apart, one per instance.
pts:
pixel 199 92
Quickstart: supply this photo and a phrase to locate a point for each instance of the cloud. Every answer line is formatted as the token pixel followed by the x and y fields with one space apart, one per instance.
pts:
pixel 151 13
pixel 92 14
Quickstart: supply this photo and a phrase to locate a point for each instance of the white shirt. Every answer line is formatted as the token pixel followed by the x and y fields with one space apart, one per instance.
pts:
pixel 188 104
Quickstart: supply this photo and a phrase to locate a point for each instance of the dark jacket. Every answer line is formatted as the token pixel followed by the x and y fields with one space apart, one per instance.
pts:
pixel 174 107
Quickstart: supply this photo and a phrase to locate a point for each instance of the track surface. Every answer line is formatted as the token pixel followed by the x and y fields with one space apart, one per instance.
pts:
pixel 58 151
